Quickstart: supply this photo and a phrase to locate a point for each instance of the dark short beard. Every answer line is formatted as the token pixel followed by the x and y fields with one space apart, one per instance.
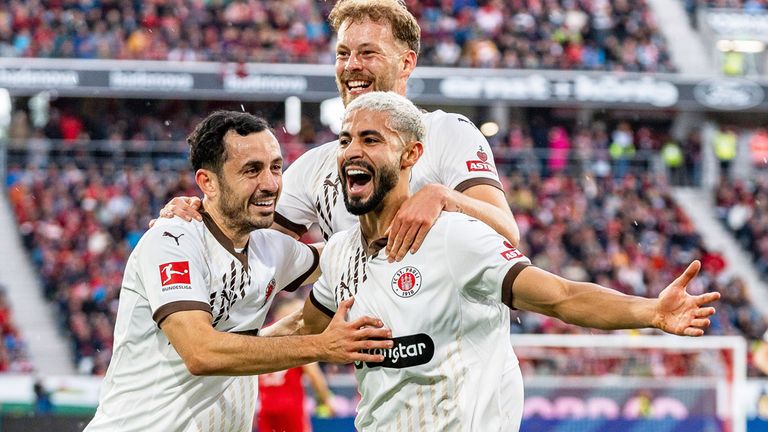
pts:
pixel 234 214
pixel 385 181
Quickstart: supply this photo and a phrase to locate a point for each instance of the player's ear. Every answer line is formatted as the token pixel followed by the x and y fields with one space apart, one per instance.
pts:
pixel 409 63
pixel 411 154
pixel 207 181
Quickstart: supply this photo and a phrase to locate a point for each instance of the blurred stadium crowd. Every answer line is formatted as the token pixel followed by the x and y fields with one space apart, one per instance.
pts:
pixel 743 207
pixel 536 34
pixel 12 354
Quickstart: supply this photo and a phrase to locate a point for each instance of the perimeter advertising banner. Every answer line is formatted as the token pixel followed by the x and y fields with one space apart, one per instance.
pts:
pixel 596 408
pixel 196 80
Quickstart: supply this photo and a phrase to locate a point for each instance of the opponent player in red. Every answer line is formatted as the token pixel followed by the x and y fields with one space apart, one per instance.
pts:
pixel 281 394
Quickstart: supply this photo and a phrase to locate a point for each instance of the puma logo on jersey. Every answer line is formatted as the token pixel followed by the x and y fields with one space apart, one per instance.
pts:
pixel 407 351
pixel 176 238
pixel 462 119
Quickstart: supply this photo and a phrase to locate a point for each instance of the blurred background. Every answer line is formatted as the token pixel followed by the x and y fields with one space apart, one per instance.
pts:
pixel 631 137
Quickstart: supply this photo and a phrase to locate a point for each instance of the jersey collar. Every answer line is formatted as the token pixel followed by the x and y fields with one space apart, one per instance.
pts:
pixel 225 241
pixel 376 245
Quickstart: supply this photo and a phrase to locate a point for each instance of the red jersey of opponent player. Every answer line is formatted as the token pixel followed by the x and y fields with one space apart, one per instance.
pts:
pixel 281 394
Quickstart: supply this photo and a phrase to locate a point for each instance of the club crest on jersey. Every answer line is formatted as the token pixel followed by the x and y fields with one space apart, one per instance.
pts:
pixel 511 253
pixel 406 282
pixel 175 273
pixel 270 289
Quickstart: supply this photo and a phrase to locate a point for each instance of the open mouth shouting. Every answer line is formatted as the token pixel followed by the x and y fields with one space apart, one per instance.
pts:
pixel 359 180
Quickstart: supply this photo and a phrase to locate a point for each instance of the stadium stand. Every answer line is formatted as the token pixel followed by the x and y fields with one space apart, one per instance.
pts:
pixel 742 206
pixel 530 34
pixel 12 352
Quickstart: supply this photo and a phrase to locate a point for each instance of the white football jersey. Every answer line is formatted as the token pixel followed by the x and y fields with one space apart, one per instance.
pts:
pixel 455 154
pixel 452 367
pixel 180 266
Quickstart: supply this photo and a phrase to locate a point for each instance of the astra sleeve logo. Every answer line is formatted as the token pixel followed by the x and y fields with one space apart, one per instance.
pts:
pixel 481 164
pixel 511 253
pixel 175 273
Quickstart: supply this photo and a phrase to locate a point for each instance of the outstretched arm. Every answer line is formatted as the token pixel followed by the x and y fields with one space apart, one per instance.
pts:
pixel 417 215
pixel 206 351
pixel 591 305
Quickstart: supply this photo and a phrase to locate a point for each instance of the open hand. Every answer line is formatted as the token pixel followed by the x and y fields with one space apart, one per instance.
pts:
pixel 347 342
pixel 413 221
pixel 680 313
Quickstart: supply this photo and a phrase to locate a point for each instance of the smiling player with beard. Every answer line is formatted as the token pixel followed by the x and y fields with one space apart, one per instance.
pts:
pixel 452 366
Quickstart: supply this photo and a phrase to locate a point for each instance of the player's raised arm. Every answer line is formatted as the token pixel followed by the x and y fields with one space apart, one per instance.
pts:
pixel 417 215
pixel 466 181
pixel 206 351
pixel 591 305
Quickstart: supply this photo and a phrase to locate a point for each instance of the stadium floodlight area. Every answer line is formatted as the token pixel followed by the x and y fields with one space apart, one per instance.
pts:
pixel 630 382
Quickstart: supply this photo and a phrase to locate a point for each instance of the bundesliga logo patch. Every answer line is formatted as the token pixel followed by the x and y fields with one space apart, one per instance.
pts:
pixel 406 282
pixel 175 273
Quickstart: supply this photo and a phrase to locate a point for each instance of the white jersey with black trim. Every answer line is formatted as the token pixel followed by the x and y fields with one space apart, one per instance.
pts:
pixel 179 266
pixel 452 367
pixel 455 154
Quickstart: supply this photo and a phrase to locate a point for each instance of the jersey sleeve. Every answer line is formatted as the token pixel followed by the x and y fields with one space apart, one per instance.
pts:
pixel 173 274
pixel 466 159
pixel 295 208
pixel 481 261
pixel 296 262
pixel 322 295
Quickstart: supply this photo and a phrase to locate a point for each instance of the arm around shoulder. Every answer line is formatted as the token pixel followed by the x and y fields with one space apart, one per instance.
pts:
pixel 489 204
